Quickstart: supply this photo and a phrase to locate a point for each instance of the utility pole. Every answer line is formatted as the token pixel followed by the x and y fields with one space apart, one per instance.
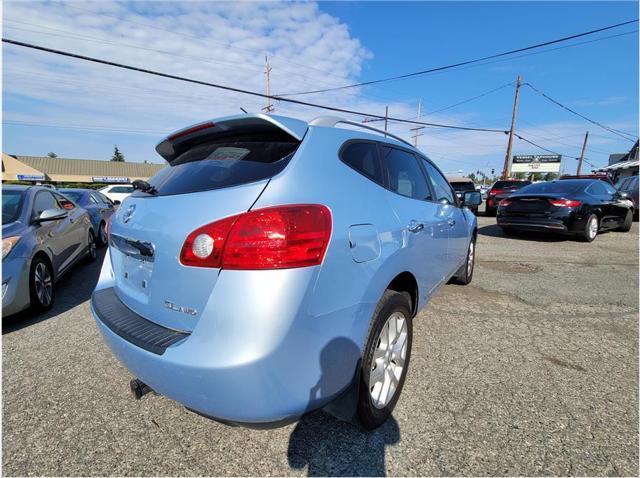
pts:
pixel 415 136
pixel 386 117
pixel 584 148
pixel 267 71
pixel 507 158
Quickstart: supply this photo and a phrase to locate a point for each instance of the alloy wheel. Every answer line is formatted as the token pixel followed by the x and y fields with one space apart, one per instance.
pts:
pixel 43 284
pixel 593 227
pixel 471 257
pixel 103 234
pixel 388 360
pixel 92 246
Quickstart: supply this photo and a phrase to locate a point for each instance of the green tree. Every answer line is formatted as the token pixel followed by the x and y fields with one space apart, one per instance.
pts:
pixel 473 178
pixel 52 155
pixel 117 155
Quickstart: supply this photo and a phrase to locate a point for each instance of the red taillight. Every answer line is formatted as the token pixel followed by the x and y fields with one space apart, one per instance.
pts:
pixel 278 237
pixel 193 129
pixel 505 202
pixel 564 202
pixel 493 192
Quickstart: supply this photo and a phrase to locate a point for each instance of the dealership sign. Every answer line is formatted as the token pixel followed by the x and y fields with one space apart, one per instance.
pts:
pixel 536 163
pixel 30 177
pixel 109 179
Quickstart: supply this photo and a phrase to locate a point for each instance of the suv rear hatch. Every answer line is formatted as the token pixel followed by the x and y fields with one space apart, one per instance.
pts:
pixel 215 170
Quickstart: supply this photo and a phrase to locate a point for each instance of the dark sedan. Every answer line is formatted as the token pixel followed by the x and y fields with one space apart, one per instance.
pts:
pixel 99 207
pixel 500 190
pixel 581 207
pixel 630 185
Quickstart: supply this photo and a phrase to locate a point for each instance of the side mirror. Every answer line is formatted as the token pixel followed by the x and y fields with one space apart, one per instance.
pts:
pixel 472 198
pixel 52 214
pixel 116 202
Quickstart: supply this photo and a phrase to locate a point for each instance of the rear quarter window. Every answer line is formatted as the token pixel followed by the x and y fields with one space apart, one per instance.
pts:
pixel 363 157
pixel 222 163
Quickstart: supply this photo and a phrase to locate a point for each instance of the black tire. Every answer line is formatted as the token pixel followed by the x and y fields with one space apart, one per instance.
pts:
pixel 92 253
pixel 628 222
pixel 464 275
pixel 102 235
pixel 586 235
pixel 41 289
pixel 370 415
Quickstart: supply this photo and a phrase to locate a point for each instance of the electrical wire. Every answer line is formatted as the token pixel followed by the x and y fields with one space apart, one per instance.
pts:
pixel 467 62
pixel 234 89
pixel 619 133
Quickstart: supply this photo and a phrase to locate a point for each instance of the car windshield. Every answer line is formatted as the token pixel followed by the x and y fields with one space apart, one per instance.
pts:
pixel 463 187
pixel 75 196
pixel 11 205
pixel 555 187
pixel 510 184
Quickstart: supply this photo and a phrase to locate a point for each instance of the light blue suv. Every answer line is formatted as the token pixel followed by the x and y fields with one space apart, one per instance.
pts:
pixel 275 266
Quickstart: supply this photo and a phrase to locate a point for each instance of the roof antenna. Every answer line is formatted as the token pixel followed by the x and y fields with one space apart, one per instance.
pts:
pixel 243 110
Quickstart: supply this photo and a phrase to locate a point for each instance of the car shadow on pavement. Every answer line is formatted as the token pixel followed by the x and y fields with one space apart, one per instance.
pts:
pixel 494 230
pixel 328 446
pixel 73 289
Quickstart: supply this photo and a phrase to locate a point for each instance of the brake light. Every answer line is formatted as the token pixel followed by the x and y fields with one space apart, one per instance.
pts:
pixel 493 192
pixel 505 202
pixel 278 237
pixel 193 129
pixel 564 202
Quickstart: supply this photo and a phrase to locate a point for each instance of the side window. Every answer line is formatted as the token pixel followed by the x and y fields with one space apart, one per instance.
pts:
pixel 44 200
pixel 440 185
pixel 608 187
pixel 94 198
pixel 404 174
pixel 63 202
pixel 363 157
pixel 105 199
pixel 597 189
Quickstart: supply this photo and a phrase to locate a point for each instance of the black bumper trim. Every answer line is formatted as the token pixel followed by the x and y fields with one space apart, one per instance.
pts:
pixel 130 326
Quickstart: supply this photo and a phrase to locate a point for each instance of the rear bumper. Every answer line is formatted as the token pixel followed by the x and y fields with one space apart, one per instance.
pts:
pixel 532 224
pixel 567 222
pixel 249 360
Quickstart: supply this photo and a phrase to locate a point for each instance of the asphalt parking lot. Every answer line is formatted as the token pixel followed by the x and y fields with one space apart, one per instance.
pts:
pixel 530 370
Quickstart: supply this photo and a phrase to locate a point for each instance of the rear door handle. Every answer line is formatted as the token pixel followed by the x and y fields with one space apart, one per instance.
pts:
pixel 452 222
pixel 415 226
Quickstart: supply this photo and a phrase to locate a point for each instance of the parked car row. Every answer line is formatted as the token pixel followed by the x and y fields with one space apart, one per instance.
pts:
pixel 45 232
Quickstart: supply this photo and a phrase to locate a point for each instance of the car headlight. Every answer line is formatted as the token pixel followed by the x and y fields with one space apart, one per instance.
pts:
pixel 8 243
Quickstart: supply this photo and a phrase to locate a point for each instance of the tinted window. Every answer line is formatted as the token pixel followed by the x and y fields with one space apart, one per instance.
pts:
pixel 510 184
pixel 73 195
pixel 363 157
pixel 224 163
pixel 463 187
pixel 11 205
pixel 597 188
pixel 609 188
pixel 121 189
pixel 44 200
pixel 64 202
pixel 553 187
pixel 404 174
pixel 440 185
pixel 104 199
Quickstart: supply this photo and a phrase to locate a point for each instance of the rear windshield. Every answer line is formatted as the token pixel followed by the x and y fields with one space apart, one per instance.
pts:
pixel 11 205
pixel 510 184
pixel 555 187
pixel 75 196
pixel 463 187
pixel 223 163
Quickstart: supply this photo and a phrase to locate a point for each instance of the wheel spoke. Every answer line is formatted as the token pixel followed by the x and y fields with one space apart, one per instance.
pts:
pixel 376 376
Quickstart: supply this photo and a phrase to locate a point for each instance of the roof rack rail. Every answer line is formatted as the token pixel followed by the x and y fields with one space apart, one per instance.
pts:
pixel 332 121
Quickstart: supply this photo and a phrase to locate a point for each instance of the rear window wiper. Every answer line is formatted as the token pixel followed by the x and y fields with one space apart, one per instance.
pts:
pixel 145 187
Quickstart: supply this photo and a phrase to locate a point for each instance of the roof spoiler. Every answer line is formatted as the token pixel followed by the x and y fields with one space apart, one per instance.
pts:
pixel 178 142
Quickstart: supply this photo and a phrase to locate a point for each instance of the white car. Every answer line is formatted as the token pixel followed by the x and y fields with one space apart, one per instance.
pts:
pixel 117 192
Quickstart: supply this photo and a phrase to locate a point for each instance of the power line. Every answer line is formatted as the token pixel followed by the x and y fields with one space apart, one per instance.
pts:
pixel 234 89
pixel 467 62
pixel 549 150
pixel 622 134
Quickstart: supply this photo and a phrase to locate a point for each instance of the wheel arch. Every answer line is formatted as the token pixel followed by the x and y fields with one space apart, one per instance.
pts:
pixel 406 282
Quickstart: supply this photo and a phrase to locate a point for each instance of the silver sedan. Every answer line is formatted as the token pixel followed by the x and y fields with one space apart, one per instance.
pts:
pixel 43 235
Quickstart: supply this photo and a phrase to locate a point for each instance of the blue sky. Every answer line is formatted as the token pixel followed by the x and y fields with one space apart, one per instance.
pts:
pixel 314 46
